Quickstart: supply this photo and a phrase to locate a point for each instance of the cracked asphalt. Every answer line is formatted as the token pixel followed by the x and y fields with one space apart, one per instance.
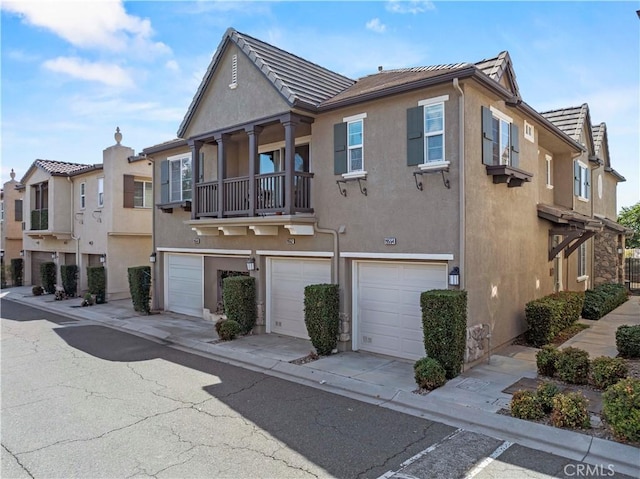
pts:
pixel 84 401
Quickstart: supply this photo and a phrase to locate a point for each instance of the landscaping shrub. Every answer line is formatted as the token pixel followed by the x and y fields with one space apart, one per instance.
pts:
pixel 239 297
pixel 444 324
pixel 17 271
pixel 607 371
pixel 628 341
pixel 37 290
pixel 621 408
pixel 229 329
pixel 87 300
pixel 322 316
pixel 602 299
pixel 97 282
pixel 573 365
pixel 218 325
pixel 545 394
pixel 69 275
pixel 48 276
pixel 429 373
pixel 573 302
pixel 547 359
pixel 140 287
pixel 570 410
pixel 544 318
pixel 526 405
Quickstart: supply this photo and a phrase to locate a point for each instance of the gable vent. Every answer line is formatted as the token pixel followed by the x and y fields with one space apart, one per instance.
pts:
pixel 234 72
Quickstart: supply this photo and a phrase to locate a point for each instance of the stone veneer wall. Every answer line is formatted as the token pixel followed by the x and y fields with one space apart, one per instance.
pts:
pixel 608 265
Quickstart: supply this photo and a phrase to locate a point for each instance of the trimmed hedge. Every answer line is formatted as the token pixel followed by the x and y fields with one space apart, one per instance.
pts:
pixel 444 323
pixel 17 271
pixel 69 275
pixel 140 287
pixel 239 297
pixel 322 316
pixel 549 315
pixel 97 282
pixel 606 371
pixel 603 299
pixel 628 341
pixel 48 276
pixel 573 365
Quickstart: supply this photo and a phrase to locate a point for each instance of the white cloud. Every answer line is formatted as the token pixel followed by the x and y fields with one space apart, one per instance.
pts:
pixel 376 25
pixel 101 24
pixel 108 74
pixel 411 6
pixel 172 65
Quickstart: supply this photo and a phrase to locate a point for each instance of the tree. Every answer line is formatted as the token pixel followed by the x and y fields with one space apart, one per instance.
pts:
pixel 630 217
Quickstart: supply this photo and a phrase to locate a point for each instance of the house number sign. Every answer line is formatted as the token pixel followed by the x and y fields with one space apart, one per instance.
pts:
pixel 390 241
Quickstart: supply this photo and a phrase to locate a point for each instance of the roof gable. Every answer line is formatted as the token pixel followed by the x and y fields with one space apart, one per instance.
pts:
pixel 56 168
pixel 575 122
pixel 500 69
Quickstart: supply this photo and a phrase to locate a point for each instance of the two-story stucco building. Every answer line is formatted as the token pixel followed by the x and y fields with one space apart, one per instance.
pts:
pixel 11 221
pixel 89 215
pixel 393 184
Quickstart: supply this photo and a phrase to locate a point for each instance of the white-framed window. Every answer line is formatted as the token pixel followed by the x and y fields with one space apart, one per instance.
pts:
pixel 549 167
pixel 100 192
pixel 582 182
pixel 180 178
pixel 142 194
pixel 582 261
pixel 355 142
pixel 529 132
pixel 83 195
pixel 434 124
pixel 501 127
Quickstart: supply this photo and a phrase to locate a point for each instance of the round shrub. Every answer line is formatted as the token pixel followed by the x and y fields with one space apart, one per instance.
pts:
pixel 526 405
pixel 621 408
pixel 37 290
pixel 573 365
pixel 218 324
pixel 87 300
pixel 607 371
pixel 429 373
pixel 628 341
pixel 546 360
pixel 570 410
pixel 545 394
pixel 229 329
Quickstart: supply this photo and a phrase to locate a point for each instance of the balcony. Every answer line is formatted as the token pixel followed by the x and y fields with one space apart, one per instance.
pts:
pixel 269 196
pixel 39 219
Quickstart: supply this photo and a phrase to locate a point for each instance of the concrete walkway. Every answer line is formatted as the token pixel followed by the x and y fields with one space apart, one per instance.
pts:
pixel 469 401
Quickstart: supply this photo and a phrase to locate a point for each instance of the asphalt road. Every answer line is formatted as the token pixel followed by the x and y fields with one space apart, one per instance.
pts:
pixel 84 401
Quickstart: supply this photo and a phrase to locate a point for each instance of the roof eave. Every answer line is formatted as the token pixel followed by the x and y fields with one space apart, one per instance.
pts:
pixel 170 145
pixel 618 176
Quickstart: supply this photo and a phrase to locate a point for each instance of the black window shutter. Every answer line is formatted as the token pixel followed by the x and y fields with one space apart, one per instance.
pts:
pixel 129 190
pixel 164 181
pixel 18 210
pixel 339 148
pixel 587 182
pixel 487 136
pixel 515 145
pixel 415 136
pixel 576 178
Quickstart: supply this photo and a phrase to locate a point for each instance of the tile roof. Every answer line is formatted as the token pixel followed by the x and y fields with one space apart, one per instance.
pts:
pixel 569 120
pixel 61 167
pixel 598 132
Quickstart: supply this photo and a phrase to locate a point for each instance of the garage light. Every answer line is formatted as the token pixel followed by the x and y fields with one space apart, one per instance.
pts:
pixel 21 252
pixel 103 258
pixel 251 264
pixel 152 258
pixel 454 276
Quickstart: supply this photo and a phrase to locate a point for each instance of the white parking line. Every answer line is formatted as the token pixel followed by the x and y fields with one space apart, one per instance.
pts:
pixel 488 460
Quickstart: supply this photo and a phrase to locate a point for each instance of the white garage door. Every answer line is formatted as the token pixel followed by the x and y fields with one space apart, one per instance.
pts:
pixel 184 284
pixel 285 294
pixel 387 305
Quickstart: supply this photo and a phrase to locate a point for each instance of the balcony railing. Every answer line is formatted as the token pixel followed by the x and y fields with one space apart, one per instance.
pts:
pixel 39 219
pixel 270 195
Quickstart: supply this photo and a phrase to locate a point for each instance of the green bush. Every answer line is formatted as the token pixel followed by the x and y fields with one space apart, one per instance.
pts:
pixel 549 315
pixel 545 394
pixel 570 410
pixel 140 287
pixel 97 282
pixel 603 299
pixel 429 373
pixel 48 276
pixel 322 316
pixel 573 302
pixel 573 366
pixel 218 325
pixel 444 324
pixel 526 405
pixel 87 300
pixel 69 275
pixel 547 360
pixel 37 290
pixel 621 408
pixel 628 341
pixel 17 271
pixel 239 297
pixel 229 329
pixel 607 371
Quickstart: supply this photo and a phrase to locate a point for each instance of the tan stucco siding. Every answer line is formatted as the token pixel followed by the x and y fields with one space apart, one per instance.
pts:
pixel 11 229
pixel 563 180
pixel 124 252
pixel 221 106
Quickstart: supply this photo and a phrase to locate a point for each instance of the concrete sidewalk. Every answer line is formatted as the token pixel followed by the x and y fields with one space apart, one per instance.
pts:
pixel 469 401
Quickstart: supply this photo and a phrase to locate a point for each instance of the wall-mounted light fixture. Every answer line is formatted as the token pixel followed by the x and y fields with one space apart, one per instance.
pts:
pixel 251 264
pixel 54 256
pixel 454 276
pixel 2 254
pixel 620 250
pixel 152 257
pixel 21 252
pixel 103 258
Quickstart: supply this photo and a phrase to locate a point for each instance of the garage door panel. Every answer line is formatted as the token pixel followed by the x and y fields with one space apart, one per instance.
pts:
pixel 184 284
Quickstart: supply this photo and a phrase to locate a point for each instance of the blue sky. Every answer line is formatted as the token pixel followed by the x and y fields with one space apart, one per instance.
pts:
pixel 73 71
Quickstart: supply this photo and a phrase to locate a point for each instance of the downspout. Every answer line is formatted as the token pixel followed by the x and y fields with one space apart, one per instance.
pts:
pixel 73 236
pixel 336 250
pixel 154 289
pixel 463 226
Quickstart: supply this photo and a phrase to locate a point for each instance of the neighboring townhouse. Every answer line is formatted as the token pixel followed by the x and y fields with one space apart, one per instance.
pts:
pixel 11 221
pixel 591 211
pixel 400 182
pixel 89 215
